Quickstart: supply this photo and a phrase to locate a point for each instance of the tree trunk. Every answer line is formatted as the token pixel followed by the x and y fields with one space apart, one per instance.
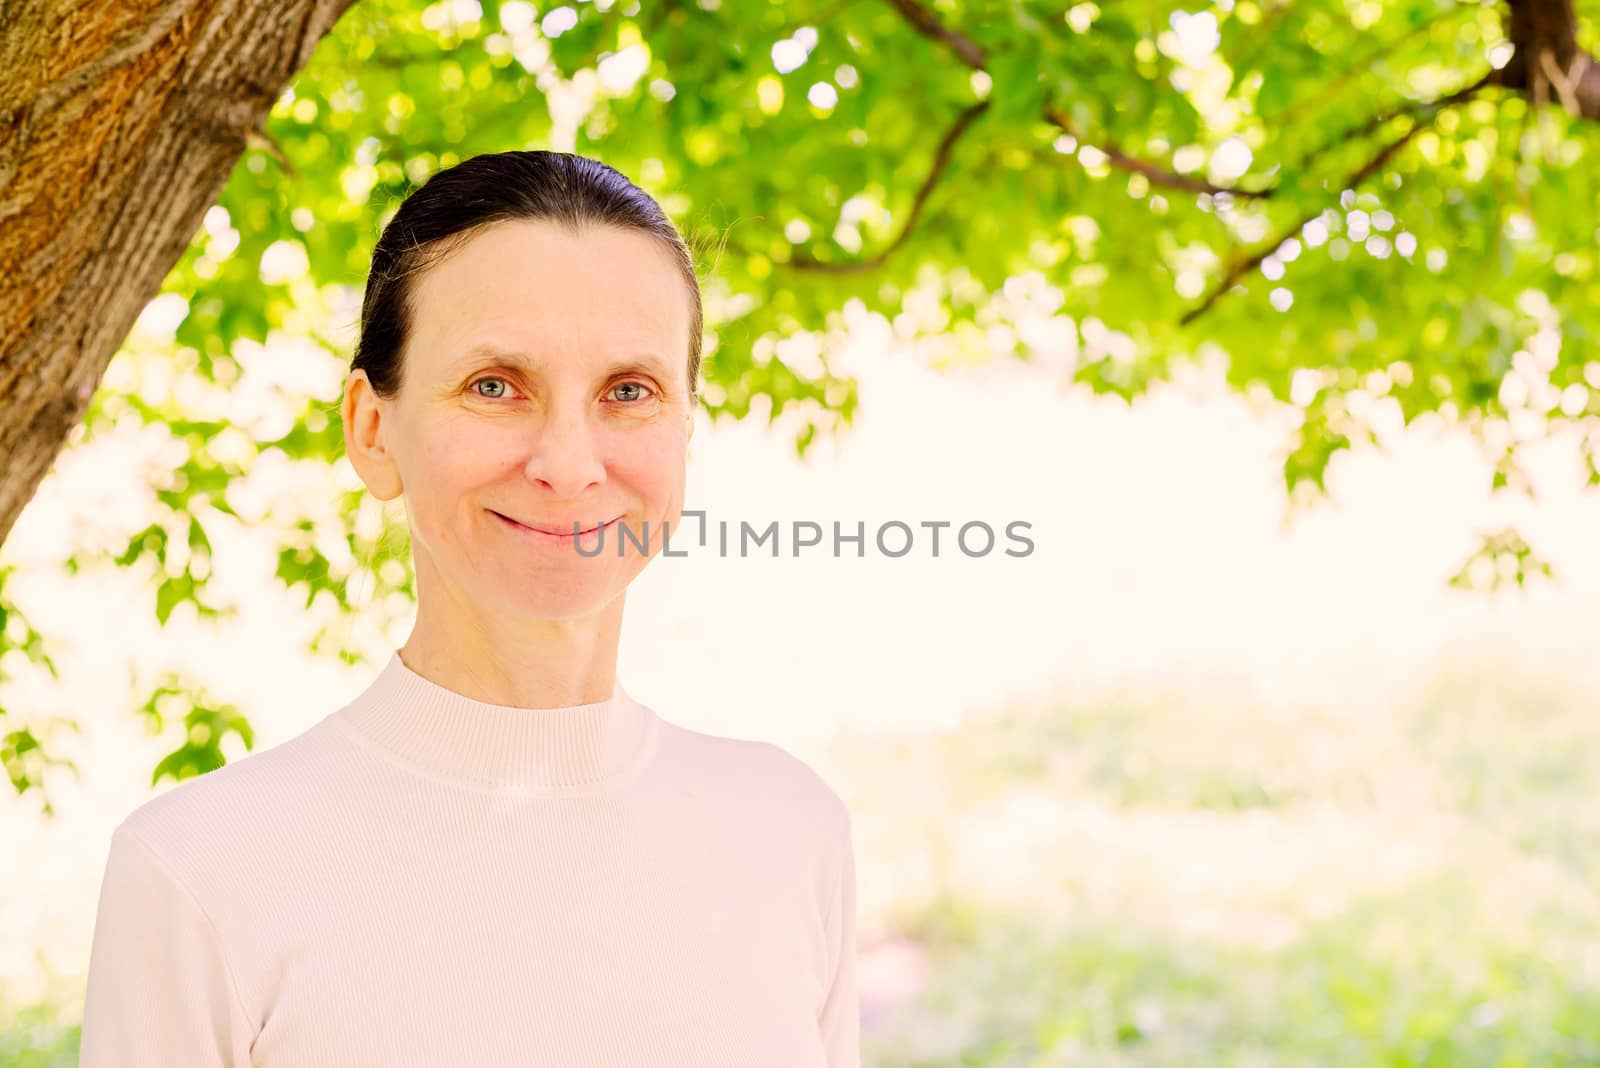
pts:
pixel 1549 65
pixel 119 125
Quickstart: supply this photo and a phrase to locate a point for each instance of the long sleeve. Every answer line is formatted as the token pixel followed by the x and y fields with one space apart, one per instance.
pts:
pixel 160 992
pixel 840 1016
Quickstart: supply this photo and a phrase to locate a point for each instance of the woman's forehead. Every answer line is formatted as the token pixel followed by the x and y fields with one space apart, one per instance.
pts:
pixel 596 259
pixel 526 289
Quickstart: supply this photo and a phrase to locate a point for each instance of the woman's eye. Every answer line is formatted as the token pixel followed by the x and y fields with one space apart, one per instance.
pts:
pixel 641 390
pixel 631 385
pixel 492 378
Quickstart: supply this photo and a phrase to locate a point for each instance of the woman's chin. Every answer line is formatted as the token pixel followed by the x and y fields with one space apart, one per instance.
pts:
pixel 554 597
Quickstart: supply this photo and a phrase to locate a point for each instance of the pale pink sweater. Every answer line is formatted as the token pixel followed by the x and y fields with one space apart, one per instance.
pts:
pixel 421 878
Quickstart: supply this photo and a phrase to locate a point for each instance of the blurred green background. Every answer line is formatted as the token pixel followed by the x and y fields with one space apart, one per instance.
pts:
pixel 1221 775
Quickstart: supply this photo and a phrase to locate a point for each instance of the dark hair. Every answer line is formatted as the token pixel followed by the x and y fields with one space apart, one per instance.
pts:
pixel 460 201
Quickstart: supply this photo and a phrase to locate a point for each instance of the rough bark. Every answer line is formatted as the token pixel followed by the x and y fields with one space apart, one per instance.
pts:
pixel 119 125
pixel 1549 65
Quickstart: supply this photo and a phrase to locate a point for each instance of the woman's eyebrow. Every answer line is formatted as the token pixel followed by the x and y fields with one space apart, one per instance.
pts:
pixel 647 362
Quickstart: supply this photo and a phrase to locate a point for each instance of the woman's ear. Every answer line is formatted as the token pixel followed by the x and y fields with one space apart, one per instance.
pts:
pixel 361 414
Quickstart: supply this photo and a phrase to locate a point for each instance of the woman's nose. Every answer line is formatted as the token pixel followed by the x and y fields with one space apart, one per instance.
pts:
pixel 565 453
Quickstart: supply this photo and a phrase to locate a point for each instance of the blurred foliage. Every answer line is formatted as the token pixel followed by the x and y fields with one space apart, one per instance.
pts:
pixel 204 727
pixel 1324 197
pixel 22 751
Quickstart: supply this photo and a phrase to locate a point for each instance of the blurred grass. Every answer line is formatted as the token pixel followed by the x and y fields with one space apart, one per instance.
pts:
pixel 1149 879
pixel 1146 879
pixel 1396 982
pixel 44 1033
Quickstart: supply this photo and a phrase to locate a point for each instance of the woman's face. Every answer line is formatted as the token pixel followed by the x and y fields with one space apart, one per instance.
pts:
pixel 546 382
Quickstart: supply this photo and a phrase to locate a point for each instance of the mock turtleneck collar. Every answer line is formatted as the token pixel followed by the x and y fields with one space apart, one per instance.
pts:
pixel 541 749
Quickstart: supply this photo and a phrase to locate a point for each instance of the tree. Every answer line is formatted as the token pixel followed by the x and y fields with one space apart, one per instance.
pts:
pixel 1366 210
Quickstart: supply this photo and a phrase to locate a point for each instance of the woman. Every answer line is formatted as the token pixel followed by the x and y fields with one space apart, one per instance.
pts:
pixel 494 855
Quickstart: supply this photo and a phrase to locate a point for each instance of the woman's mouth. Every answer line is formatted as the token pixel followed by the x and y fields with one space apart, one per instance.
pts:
pixel 546 537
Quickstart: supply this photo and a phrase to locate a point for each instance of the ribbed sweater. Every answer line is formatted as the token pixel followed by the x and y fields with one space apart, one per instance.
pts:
pixel 421 878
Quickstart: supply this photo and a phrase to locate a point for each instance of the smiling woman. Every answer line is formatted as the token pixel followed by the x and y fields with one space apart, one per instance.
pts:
pixel 494 854
pixel 507 392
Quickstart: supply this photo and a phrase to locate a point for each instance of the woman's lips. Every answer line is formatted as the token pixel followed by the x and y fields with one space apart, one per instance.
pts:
pixel 565 538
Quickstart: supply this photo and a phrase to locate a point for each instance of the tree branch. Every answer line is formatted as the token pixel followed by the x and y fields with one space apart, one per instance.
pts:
pixel 1413 110
pixel 1543 28
pixel 257 136
pixel 1565 82
pixel 941 160
pixel 927 23
pixel 1157 174
pixel 974 55
pixel 1243 266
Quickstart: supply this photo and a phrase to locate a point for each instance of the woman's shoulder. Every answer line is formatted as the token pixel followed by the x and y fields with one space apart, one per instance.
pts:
pixel 238 802
pixel 752 767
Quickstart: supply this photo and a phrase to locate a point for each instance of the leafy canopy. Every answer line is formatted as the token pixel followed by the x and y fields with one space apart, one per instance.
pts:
pixel 1352 206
